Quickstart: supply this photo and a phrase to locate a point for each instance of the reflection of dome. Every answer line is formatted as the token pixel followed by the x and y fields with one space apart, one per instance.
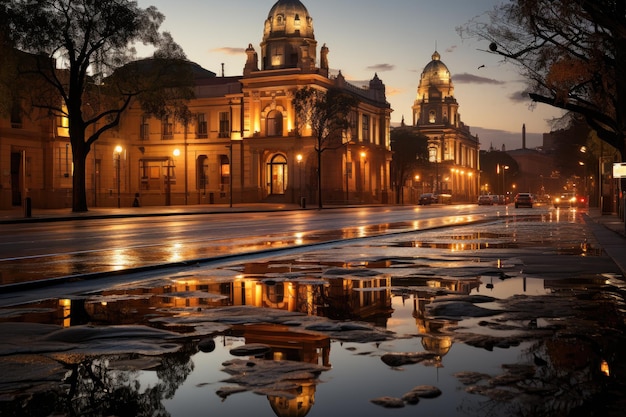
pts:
pixel 438 345
pixel 298 406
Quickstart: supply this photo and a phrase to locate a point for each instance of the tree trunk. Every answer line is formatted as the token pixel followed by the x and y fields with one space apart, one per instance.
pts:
pixel 319 178
pixel 79 158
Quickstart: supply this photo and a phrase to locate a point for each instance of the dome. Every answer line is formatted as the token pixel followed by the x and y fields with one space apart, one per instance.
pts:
pixel 288 40
pixel 288 18
pixel 436 75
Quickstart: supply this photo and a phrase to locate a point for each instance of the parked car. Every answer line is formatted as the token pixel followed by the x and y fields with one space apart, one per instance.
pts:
pixel 524 200
pixel 485 200
pixel 498 199
pixel 427 198
pixel 569 200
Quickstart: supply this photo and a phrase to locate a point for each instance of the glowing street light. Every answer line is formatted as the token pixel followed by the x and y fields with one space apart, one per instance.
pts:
pixel 118 157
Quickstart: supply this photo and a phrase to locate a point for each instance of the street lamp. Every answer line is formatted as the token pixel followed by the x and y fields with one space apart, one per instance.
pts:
pixel 118 157
pixel 168 176
pixel 363 162
pixel 299 160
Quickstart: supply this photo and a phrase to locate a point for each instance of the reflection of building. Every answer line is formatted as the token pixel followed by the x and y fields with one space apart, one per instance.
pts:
pixel 240 146
pixel 453 151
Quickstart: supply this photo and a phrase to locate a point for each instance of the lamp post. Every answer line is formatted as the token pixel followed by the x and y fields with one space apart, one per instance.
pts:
pixel 118 160
pixel 230 175
pixel 363 155
pixel 299 160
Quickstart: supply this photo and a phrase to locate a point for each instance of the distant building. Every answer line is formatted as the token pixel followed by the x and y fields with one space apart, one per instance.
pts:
pixel 241 146
pixel 453 150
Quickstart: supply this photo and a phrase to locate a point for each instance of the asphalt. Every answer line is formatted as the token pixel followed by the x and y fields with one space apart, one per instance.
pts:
pixel 608 229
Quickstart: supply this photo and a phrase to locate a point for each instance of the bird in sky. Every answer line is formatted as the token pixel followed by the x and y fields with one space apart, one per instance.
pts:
pixel 482 66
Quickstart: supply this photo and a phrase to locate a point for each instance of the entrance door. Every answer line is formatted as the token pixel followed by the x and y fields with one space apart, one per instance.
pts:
pixel 278 175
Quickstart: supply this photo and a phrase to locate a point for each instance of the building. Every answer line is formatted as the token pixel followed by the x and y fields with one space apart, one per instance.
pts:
pixel 453 151
pixel 241 145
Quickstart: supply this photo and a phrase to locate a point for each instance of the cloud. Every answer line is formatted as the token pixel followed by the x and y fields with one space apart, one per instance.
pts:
pixel 520 97
pixel 466 78
pixel 229 51
pixel 381 67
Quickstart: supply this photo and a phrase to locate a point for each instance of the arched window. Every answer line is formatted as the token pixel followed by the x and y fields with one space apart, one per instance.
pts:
pixel 274 123
pixel 202 171
pixel 432 116
pixel 277 175
pixel 224 173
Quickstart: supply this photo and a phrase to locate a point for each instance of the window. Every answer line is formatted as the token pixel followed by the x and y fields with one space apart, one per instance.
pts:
pixel 144 129
pixel 202 173
pixel 201 128
pixel 365 127
pixel 274 123
pixel 16 115
pixel 224 125
pixel 432 117
pixel 224 174
pixel 278 54
pixel 168 128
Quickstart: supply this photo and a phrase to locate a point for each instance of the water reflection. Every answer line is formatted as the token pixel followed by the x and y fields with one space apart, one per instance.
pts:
pixel 543 346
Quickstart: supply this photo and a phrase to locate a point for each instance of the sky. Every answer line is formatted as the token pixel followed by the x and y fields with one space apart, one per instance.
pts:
pixel 392 38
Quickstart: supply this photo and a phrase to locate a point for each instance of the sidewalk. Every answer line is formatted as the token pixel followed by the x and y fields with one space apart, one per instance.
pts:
pixel 50 215
pixel 610 233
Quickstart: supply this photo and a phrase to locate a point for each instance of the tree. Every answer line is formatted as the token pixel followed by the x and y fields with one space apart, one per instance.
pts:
pixel 572 52
pixel 327 114
pixel 82 66
pixel 410 152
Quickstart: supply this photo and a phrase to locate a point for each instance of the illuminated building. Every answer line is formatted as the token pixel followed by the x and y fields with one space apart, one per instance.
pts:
pixel 240 145
pixel 453 151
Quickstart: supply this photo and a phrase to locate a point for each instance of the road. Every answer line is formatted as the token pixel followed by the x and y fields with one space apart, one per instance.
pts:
pixel 33 252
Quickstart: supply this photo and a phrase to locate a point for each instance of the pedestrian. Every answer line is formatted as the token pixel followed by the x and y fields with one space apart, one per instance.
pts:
pixel 136 200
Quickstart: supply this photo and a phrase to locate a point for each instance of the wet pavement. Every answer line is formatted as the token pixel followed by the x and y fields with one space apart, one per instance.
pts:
pixel 521 316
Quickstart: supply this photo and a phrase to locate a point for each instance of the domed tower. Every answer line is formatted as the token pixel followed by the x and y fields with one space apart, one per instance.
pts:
pixel 435 103
pixel 288 39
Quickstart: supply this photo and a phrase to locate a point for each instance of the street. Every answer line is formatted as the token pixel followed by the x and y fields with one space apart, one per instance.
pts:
pixel 441 310
pixel 53 250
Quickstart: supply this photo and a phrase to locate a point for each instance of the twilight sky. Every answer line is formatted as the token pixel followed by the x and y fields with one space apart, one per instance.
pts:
pixel 393 38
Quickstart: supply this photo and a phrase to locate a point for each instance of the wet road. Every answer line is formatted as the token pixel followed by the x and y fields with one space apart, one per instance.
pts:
pixel 32 252
pixel 521 314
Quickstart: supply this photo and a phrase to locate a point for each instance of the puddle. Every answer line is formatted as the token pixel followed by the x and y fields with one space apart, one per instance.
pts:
pixel 332 328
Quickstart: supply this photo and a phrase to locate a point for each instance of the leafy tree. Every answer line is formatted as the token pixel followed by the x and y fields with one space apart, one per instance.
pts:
pixel 410 152
pixel 572 52
pixel 327 114
pixel 83 67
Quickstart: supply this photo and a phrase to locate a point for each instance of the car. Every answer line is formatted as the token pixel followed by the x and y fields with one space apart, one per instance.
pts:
pixel 498 199
pixel 427 198
pixel 524 200
pixel 485 200
pixel 569 200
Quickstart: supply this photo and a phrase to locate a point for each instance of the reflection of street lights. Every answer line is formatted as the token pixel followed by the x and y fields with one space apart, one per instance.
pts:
pixel 118 157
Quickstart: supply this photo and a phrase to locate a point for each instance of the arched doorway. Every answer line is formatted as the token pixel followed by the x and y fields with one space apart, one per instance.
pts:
pixel 277 175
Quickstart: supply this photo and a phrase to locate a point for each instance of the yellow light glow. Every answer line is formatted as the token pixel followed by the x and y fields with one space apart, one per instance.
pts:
pixel 176 152
pixel 604 368
pixel 118 149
